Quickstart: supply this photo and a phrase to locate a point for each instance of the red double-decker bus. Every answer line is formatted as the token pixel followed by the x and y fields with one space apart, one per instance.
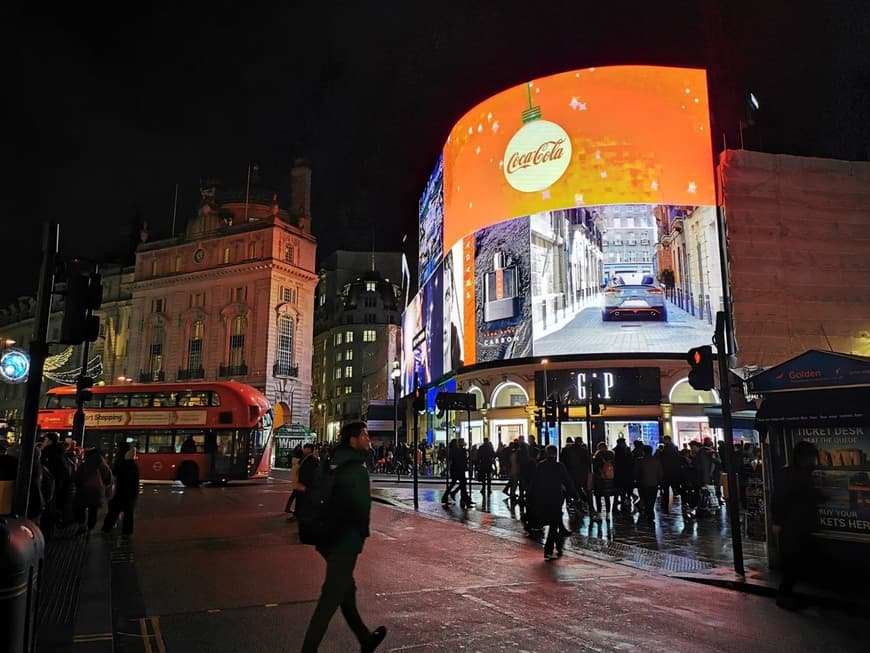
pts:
pixel 188 432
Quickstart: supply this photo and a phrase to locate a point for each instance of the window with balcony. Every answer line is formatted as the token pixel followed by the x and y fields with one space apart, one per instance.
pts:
pixel 194 353
pixel 369 335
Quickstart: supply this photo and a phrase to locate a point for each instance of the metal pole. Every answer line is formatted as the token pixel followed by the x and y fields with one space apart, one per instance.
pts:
pixel 589 386
pixel 448 456
pixel 396 427
pixel 733 490
pixel 38 353
pixel 416 448
pixel 78 431
pixel 468 466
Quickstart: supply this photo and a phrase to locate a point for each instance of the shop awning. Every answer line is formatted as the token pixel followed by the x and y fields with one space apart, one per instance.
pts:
pixel 850 405
pixel 740 419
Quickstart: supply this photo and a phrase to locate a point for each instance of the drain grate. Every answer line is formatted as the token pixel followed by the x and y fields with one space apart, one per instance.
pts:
pixel 640 557
pixel 61 576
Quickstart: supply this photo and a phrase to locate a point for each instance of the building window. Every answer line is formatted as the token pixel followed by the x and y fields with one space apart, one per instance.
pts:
pixel 370 302
pixel 238 295
pixel 252 249
pixel 289 254
pixel 322 299
pixel 348 337
pixel 285 342
pixel 339 356
pixel 348 389
pixel 177 266
pixel 371 318
pixel 348 354
pixel 155 360
pixel 337 372
pixel 348 372
pixel 194 346
pixel 287 295
pixel 226 256
pixel 371 286
pixel 369 335
pixel 338 339
pixel 197 299
pixel 154 268
pixel 157 306
pixel 237 342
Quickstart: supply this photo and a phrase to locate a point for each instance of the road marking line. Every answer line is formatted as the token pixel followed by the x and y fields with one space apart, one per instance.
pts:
pixel 158 636
pixel 146 636
pixel 92 637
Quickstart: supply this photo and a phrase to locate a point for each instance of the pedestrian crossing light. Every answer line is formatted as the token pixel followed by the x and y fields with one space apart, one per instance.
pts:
pixel 701 361
pixel 550 409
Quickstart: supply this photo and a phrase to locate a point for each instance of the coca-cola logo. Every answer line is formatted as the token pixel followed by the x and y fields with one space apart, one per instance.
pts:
pixel 537 156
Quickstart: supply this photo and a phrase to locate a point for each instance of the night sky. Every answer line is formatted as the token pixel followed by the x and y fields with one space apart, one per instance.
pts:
pixel 106 108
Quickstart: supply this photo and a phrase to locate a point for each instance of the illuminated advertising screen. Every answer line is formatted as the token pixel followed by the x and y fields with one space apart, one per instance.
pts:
pixel 431 222
pixel 575 214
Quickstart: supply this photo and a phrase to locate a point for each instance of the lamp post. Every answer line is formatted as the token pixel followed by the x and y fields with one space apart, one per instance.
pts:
pixel 395 375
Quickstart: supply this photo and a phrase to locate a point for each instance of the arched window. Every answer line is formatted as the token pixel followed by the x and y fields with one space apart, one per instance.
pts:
pixel 509 395
pixel 237 342
pixel 285 344
pixel 194 350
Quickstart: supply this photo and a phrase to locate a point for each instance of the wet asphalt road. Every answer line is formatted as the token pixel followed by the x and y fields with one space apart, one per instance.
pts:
pixel 220 569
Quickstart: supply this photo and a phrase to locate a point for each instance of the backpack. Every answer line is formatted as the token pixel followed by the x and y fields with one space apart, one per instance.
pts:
pixel 606 470
pixel 314 515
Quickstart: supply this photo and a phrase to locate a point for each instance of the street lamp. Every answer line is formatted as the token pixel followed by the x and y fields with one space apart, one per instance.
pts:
pixel 395 374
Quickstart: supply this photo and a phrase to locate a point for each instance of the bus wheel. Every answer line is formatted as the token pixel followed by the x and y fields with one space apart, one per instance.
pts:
pixel 188 474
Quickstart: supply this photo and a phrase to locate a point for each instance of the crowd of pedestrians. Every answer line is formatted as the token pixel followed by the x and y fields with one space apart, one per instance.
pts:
pixel 70 485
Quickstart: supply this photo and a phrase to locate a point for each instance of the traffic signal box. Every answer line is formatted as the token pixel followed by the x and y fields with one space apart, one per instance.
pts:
pixel 550 410
pixel 84 293
pixel 596 389
pixel 701 362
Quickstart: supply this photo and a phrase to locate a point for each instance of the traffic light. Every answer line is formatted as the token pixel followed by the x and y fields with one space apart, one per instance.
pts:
pixel 539 419
pixel 595 392
pixel 550 410
pixel 83 389
pixel 563 411
pixel 701 361
pixel 419 400
pixel 84 293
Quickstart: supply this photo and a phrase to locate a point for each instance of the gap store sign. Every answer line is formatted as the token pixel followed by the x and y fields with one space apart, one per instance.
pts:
pixel 620 385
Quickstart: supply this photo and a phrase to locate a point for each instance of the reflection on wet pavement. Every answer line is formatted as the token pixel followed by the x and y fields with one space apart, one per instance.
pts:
pixel 668 544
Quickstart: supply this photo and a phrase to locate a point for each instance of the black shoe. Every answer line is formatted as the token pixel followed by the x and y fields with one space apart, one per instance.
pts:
pixel 374 639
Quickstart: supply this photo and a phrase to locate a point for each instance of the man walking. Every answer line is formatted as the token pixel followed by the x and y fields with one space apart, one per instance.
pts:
pixel 550 485
pixel 485 464
pixel 350 505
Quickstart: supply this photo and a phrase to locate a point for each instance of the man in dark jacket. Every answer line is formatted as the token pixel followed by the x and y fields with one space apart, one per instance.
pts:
pixel 126 473
pixel 351 504
pixel 669 456
pixel 458 462
pixel 485 464
pixel 550 485
pixel 795 516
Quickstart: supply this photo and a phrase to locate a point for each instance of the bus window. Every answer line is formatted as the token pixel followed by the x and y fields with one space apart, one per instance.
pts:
pixel 159 442
pixel 198 398
pixel 164 399
pixel 189 441
pixel 116 401
pixel 215 399
pixel 139 401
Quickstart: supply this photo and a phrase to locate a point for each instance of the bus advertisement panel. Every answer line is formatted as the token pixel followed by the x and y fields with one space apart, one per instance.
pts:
pixel 189 432
pixel 578 218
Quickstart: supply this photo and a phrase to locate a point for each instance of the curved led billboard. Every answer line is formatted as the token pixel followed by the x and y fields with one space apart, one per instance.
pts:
pixel 573 214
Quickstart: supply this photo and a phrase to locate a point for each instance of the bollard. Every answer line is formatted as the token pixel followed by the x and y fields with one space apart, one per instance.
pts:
pixel 22 550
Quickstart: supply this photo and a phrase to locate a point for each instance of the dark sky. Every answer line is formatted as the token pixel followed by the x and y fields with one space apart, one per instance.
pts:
pixel 105 108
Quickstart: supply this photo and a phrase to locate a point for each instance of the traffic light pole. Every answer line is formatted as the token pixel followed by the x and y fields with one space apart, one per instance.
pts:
pixel 728 453
pixel 78 430
pixel 38 353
